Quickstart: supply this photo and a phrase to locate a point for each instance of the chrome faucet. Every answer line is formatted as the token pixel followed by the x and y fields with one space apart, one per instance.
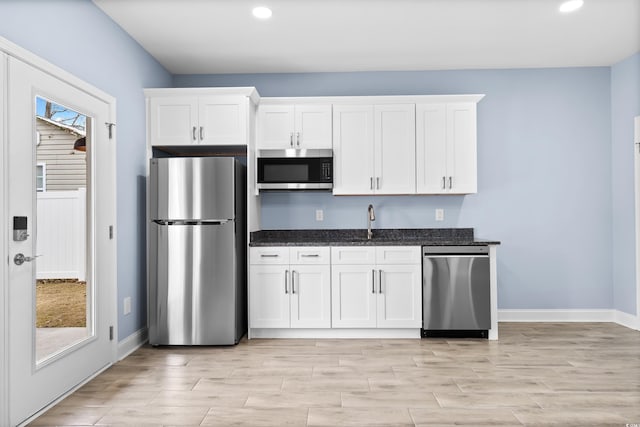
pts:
pixel 371 216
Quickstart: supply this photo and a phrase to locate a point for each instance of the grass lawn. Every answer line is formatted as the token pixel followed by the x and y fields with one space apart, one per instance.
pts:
pixel 60 303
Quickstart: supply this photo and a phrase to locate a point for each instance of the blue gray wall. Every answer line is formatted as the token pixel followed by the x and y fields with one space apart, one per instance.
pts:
pixel 78 37
pixel 544 175
pixel 625 105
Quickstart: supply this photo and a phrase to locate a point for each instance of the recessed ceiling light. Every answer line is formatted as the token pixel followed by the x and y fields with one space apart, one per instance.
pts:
pixel 571 6
pixel 262 12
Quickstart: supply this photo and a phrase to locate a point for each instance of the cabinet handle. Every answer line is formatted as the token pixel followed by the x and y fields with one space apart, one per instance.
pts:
pixel 298 139
pixel 310 255
pixel 293 283
pixel 286 274
pixel 194 133
pixel 371 182
pixel 201 133
pixel 377 183
pixel 450 183
pixel 373 281
pixel 291 139
pixel 444 182
pixel 379 281
pixel 268 255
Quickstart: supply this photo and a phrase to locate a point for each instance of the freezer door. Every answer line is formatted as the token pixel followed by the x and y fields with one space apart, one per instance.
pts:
pixel 193 285
pixel 456 293
pixel 192 188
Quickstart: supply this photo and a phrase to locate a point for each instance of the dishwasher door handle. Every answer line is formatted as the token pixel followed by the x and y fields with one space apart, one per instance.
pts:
pixel 426 256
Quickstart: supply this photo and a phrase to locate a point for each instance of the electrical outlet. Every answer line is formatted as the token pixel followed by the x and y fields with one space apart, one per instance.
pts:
pixel 319 215
pixel 439 214
pixel 126 306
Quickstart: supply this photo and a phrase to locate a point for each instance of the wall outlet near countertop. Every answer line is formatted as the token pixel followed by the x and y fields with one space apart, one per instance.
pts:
pixel 126 306
pixel 439 214
pixel 319 215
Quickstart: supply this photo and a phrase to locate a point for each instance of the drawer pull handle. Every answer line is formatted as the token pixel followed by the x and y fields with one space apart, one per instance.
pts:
pixel 310 255
pixel 269 255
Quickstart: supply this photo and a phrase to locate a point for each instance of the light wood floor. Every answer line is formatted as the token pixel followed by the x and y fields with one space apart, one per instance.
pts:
pixel 538 373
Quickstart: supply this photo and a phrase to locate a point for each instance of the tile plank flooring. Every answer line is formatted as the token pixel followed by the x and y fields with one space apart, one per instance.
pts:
pixel 582 374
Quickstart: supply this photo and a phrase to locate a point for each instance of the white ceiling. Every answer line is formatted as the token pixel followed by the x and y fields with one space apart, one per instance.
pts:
pixel 221 36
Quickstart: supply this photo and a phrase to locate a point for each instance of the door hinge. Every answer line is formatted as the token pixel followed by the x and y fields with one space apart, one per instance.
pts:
pixel 110 127
pixel 110 333
pixel 111 232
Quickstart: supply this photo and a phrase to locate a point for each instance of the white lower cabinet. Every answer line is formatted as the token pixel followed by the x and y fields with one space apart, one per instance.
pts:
pixel 386 293
pixel 290 287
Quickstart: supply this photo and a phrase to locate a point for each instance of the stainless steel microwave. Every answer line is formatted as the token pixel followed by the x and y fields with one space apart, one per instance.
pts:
pixel 294 169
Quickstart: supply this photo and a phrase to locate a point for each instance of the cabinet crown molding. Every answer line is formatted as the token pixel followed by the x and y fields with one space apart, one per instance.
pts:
pixel 374 99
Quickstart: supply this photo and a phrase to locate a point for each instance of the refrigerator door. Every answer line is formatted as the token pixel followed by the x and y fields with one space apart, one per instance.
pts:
pixel 192 188
pixel 194 298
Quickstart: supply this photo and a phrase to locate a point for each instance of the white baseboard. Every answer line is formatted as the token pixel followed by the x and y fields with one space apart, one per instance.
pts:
pixel 132 343
pixel 576 315
pixel 626 319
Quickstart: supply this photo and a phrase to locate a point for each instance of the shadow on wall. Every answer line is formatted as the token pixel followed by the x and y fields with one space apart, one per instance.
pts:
pixel 141 183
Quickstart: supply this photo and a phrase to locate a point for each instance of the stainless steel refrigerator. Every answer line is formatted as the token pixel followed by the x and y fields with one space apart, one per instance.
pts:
pixel 197 251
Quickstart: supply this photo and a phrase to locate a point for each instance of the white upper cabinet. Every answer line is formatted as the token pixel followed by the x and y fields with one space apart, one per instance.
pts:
pixel 446 158
pixel 173 121
pixel 304 126
pixel 374 148
pixel 353 161
pixel 213 116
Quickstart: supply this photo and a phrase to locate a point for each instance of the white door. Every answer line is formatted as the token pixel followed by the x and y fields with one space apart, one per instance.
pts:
pixel 395 149
pixel 269 303
pixel 353 149
pixel 399 297
pixel 36 380
pixel 173 120
pixel 222 120
pixel 431 148
pixel 461 148
pixel 636 146
pixel 275 124
pixel 310 296
pixel 353 296
pixel 313 126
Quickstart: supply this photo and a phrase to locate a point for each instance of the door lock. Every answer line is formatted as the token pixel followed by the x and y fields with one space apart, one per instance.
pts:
pixel 20 259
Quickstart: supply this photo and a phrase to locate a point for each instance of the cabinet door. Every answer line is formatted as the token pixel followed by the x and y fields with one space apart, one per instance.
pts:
pixel 399 296
pixel 461 148
pixel 269 301
pixel 353 149
pixel 313 128
pixel 173 120
pixel 353 296
pixel 275 126
pixel 431 148
pixel 310 296
pixel 223 120
pixel 395 149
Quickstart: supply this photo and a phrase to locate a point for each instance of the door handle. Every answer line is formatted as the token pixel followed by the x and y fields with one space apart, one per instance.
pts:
pixel 193 132
pixel 286 274
pixel 298 139
pixel 379 281
pixel 293 283
pixel 373 281
pixel 450 183
pixel 20 259
pixel 201 133
pixel 291 139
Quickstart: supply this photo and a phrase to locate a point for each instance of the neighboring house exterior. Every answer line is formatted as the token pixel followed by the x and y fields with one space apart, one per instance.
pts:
pixel 60 167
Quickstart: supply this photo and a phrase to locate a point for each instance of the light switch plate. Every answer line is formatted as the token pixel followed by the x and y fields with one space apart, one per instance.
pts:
pixel 319 215
pixel 439 214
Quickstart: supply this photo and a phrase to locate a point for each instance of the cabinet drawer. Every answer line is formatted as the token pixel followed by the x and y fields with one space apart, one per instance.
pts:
pixel 310 255
pixel 398 254
pixel 269 255
pixel 353 255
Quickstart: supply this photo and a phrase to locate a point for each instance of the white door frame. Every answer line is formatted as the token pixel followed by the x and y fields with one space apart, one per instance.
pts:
pixel 636 149
pixel 8 48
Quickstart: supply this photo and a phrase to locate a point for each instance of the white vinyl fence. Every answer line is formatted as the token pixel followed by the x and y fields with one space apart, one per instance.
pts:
pixel 61 235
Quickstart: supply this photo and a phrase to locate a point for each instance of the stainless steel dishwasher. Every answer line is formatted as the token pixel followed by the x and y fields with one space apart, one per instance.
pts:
pixel 456 297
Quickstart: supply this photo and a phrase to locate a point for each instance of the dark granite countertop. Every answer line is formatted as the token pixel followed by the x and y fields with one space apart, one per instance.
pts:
pixel 358 237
